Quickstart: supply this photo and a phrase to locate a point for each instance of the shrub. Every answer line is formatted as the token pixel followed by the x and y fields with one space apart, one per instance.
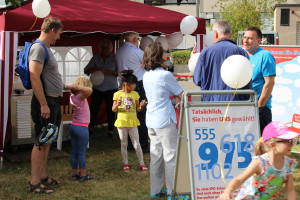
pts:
pixel 181 57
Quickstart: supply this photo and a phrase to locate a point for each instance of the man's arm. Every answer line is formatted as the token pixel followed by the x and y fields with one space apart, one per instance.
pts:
pixel 91 70
pixel 92 67
pixel 35 70
pixel 266 91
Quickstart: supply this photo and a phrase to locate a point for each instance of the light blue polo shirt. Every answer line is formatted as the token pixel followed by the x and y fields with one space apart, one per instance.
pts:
pixel 159 85
pixel 263 64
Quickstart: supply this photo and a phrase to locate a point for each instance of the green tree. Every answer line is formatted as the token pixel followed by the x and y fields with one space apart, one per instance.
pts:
pixel 244 13
pixel 14 3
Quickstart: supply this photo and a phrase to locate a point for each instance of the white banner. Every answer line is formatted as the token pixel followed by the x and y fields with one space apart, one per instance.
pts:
pixel 235 143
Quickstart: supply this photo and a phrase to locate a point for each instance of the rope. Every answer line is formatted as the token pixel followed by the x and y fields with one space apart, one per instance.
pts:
pixel 219 150
pixel 33 24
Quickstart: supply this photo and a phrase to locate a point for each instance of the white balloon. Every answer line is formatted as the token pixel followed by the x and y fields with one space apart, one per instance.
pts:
pixel 41 8
pixel 97 78
pixel 163 41
pixel 145 42
pixel 236 70
pixel 193 61
pixel 174 40
pixel 188 25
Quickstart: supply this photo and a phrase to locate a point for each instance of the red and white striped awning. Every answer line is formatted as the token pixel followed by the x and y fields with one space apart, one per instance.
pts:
pixel 8 55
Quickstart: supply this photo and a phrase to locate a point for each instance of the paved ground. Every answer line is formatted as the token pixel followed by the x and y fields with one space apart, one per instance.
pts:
pixel 186 83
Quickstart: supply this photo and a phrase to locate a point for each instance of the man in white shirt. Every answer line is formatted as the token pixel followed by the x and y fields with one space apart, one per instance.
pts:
pixel 129 56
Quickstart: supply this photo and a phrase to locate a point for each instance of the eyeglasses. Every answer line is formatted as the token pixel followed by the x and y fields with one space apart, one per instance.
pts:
pixel 286 141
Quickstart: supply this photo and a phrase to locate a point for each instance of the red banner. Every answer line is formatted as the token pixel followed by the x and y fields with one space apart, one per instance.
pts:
pixel 283 53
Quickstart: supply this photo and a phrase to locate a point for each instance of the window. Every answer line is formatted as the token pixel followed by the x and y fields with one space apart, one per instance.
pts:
pixel 285 17
pixel 71 61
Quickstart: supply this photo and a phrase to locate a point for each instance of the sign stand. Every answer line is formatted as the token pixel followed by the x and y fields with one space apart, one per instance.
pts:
pixel 205 151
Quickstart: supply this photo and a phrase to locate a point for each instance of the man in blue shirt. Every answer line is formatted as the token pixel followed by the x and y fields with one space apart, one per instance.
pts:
pixel 264 71
pixel 207 71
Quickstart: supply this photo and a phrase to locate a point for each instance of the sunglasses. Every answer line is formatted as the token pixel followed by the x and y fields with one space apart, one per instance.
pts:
pixel 286 141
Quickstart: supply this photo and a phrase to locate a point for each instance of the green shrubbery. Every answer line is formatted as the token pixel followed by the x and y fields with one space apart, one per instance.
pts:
pixel 181 57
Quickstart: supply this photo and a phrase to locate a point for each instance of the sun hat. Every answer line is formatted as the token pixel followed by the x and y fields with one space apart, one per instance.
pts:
pixel 278 130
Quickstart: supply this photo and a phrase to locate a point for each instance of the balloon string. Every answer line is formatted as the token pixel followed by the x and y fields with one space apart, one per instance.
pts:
pixel 33 24
pixel 219 150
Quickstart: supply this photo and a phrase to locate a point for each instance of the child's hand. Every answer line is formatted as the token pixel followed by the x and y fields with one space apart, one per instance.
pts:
pixel 143 103
pixel 119 102
pixel 68 87
pixel 225 196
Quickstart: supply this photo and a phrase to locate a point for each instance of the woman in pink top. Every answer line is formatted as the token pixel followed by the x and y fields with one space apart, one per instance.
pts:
pixel 80 90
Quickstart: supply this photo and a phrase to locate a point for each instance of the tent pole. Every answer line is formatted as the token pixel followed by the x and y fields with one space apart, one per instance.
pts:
pixel 1 159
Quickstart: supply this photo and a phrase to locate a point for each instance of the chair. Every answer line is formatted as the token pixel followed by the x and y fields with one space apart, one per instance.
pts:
pixel 66 118
pixel 296 119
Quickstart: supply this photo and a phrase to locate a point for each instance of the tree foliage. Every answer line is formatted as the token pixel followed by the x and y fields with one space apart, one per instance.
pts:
pixel 244 13
pixel 14 3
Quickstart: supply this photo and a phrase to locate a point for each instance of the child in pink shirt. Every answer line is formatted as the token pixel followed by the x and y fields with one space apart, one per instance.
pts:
pixel 80 90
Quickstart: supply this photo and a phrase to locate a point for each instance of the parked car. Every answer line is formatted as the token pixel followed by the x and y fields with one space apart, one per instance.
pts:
pixel 268 38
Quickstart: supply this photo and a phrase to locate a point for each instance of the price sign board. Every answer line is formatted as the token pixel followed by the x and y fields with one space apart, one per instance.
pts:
pixel 211 150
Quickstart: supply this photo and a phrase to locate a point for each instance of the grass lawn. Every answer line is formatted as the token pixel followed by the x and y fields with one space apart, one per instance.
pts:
pixel 104 163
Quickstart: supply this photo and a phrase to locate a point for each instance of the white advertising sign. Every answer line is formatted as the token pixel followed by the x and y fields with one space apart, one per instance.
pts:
pixel 213 152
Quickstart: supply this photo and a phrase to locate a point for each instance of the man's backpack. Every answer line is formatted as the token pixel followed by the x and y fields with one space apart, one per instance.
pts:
pixel 23 67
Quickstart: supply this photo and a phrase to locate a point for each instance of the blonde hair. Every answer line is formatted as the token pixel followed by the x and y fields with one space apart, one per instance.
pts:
pixel 261 148
pixel 50 23
pixel 83 82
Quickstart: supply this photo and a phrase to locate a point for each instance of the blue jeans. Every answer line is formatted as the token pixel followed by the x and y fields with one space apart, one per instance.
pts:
pixel 265 117
pixel 79 140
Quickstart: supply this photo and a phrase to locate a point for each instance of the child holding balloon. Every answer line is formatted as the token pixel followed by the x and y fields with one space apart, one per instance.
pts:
pixel 264 176
pixel 126 103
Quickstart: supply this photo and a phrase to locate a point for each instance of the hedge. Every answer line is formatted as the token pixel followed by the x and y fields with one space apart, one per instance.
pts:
pixel 181 57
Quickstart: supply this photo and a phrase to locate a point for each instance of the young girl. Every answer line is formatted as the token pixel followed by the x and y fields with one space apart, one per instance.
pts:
pixel 126 103
pixel 80 90
pixel 267 172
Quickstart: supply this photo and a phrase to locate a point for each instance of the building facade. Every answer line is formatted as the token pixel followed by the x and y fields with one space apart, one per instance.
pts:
pixel 287 23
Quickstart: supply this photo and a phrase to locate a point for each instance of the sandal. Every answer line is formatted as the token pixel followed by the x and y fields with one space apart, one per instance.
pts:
pixel 42 190
pixel 126 168
pixel 85 178
pixel 52 181
pixel 75 177
pixel 144 168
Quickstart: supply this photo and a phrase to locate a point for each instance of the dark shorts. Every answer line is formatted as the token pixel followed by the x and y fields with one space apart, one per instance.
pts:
pixel 55 114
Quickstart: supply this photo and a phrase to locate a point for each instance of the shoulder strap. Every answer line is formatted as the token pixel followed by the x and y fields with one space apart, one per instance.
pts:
pixel 46 51
pixel 45 63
